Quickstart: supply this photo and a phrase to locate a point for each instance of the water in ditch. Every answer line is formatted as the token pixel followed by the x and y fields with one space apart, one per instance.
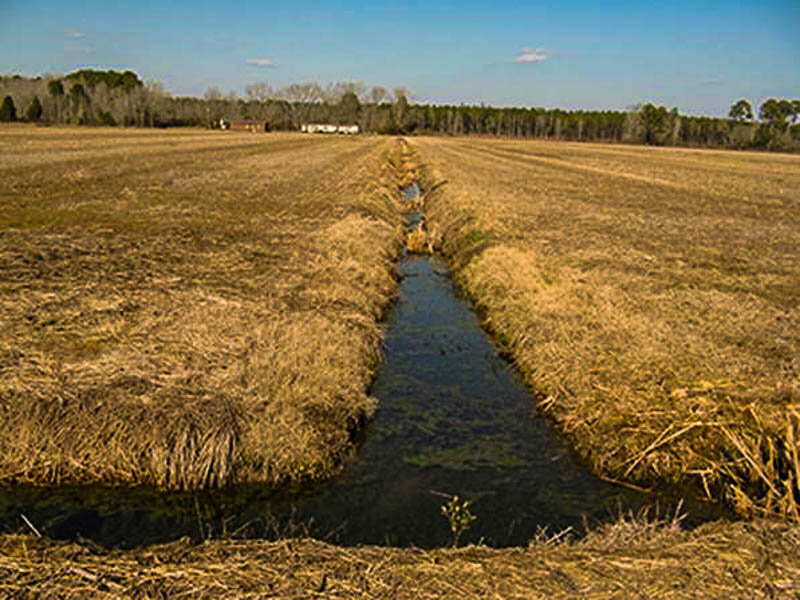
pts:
pixel 453 419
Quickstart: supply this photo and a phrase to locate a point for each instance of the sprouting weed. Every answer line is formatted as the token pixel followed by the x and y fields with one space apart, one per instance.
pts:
pixel 458 513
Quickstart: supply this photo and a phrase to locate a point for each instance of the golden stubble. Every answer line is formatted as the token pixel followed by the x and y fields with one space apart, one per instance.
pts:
pixel 198 310
pixel 649 297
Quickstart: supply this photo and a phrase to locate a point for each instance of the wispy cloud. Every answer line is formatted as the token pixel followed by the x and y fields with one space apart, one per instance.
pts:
pixel 529 56
pixel 261 62
pixel 712 83
pixel 77 43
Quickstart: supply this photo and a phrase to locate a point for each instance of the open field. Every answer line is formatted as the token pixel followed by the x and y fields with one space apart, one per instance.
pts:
pixel 188 309
pixel 201 308
pixel 632 558
pixel 649 297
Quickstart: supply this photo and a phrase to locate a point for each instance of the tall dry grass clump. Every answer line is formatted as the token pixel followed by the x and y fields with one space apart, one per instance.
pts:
pixel 198 310
pixel 649 297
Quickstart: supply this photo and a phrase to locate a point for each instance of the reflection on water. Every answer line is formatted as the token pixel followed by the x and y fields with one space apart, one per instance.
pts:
pixel 412 191
pixel 453 418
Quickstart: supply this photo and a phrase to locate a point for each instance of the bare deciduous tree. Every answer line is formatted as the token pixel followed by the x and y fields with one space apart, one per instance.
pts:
pixel 377 94
pixel 212 93
pixel 258 91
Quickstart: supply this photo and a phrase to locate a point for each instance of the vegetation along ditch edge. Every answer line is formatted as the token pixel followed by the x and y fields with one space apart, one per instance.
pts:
pixel 192 321
pixel 563 328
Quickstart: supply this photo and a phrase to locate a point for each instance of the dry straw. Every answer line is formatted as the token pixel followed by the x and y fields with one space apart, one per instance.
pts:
pixel 192 319
pixel 635 557
pixel 649 296
pixel 189 318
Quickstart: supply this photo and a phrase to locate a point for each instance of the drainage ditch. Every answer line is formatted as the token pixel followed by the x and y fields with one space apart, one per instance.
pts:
pixel 453 419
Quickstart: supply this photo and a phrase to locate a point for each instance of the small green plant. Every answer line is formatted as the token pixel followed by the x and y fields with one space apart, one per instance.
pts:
pixel 458 514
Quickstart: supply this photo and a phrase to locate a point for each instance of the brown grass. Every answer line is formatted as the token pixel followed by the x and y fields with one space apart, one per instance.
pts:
pixel 633 558
pixel 200 309
pixel 189 309
pixel 649 296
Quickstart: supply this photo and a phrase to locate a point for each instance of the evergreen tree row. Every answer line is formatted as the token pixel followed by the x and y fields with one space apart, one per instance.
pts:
pixel 92 97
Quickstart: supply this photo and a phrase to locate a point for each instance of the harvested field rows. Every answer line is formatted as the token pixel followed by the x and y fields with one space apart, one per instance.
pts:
pixel 188 309
pixel 62 144
pixel 649 296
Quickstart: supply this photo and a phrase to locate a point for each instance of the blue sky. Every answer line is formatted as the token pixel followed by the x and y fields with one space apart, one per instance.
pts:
pixel 698 56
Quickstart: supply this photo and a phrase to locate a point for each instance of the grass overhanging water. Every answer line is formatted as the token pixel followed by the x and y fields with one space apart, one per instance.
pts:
pixel 189 319
pixel 649 296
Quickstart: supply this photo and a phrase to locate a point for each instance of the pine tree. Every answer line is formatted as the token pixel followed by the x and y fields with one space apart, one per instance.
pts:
pixel 8 112
pixel 56 90
pixel 349 109
pixel 34 111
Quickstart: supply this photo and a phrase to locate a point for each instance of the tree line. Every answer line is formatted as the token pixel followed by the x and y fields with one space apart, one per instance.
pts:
pixel 94 97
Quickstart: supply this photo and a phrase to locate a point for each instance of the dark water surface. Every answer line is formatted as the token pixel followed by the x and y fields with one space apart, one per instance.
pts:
pixel 453 418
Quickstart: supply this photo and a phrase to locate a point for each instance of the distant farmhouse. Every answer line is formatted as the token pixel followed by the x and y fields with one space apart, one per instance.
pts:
pixel 245 125
pixel 327 128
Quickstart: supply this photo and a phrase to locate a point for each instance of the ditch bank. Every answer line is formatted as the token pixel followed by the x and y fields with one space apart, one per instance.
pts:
pixel 628 359
pixel 453 420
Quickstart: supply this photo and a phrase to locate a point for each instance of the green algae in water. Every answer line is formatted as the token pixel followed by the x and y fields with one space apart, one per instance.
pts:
pixel 469 457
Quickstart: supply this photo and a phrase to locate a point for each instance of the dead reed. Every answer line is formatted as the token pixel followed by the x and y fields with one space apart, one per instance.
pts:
pixel 188 309
pixel 633 558
pixel 649 297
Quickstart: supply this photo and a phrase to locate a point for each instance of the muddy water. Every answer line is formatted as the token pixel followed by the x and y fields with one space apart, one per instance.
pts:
pixel 453 418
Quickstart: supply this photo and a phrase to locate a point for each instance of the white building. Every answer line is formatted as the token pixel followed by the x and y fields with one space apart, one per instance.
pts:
pixel 328 128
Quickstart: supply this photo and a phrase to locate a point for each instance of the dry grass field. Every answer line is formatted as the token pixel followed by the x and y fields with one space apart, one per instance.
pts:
pixel 649 296
pixel 188 309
